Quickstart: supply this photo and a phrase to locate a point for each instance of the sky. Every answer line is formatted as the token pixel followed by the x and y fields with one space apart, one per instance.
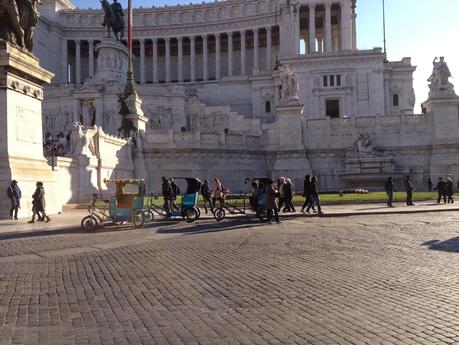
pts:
pixel 420 29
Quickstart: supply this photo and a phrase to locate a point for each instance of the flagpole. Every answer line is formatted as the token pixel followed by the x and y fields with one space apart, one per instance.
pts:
pixel 384 30
pixel 130 88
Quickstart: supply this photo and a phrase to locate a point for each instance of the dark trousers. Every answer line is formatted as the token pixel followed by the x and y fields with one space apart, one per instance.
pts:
pixel 272 211
pixel 390 197
pixel 281 203
pixel 14 210
pixel 409 197
pixel 440 196
pixel 314 200
pixel 208 201
pixel 307 199
pixel 450 199
pixel 289 205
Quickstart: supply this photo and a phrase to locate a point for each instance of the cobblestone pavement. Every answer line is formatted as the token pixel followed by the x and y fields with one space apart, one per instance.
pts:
pixel 389 279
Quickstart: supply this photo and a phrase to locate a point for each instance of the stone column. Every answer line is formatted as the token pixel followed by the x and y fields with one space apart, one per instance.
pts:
pixel 91 57
pixel 168 59
pixel 268 48
pixel 328 28
pixel 312 28
pixel 65 61
pixel 78 62
pixel 205 74
pixel 155 60
pixel 242 52
pixel 217 57
pixel 180 59
pixel 255 50
pixel 230 53
pixel 192 59
pixel 345 26
pixel 142 61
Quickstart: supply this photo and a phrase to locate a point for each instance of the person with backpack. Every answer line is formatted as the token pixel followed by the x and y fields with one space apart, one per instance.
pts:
pixel 14 194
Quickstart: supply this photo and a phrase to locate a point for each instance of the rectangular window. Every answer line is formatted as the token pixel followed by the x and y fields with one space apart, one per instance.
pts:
pixel 395 100
pixel 332 107
pixel 332 80
pixel 338 80
pixel 268 107
pixel 325 81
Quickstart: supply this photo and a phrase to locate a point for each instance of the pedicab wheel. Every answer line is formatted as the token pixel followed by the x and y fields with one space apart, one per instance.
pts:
pixel 149 216
pixel 89 223
pixel 263 215
pixel 219 214
pixel 138 218
pixel 190 215
pixel 199 212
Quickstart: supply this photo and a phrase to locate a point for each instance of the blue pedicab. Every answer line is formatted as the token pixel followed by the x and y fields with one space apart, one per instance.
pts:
pixel 123 207
pixel 189 209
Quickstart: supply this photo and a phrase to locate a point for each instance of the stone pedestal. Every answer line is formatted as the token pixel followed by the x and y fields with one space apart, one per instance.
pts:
pixel 445 114
pixel 112 62
pixel 21 138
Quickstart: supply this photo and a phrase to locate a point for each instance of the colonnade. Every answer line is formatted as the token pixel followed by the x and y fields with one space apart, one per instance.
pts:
pixel 209 70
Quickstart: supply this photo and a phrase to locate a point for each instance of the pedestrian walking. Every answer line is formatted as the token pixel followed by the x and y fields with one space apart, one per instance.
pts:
pixel 441 189
pixel 175 193
pixel 409 191
pixel 389 187
pixel 429 184
pixel 270 201
pixel 314 197
pixel 449 190
pixel 167 195
pixel 288 196
pixel 14 194
pixel 307 192
pixel 280 188
pixel 39 204
pixel 207 196
pixel 218 193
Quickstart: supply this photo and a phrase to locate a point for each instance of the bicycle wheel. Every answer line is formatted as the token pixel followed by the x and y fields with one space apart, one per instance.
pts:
pixel 219 214
pixel 89 223
pixel 149 216
pixel 199 212
pixel 138 218
pixel 190 215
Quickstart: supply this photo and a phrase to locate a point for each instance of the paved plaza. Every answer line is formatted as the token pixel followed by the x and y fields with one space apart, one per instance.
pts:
pixel 374 279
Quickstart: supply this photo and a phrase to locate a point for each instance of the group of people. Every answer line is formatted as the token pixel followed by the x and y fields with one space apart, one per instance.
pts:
pixel 14 194
pixel 444 188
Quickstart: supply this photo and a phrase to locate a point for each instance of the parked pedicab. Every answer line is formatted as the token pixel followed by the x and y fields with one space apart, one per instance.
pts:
pixel 123 207
pixel 233 205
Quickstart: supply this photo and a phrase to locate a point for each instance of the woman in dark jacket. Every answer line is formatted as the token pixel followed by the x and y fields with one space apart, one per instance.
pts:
pixel 38 202
pixel 314 196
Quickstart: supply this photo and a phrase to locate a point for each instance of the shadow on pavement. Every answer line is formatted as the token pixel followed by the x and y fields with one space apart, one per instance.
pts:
pixel 451 245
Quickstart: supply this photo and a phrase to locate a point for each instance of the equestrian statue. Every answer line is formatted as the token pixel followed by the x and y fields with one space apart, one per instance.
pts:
pixel 17 20
pixel 113 18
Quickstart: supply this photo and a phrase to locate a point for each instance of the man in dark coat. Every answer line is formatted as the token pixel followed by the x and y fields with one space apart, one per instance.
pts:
pixel 429 184
pixel 389 187
pixel 288 196
pixel 441 188
pixel 39 204
pixel 14 194
pixel 175 193
pixel 167 195
pixel 270 201
pixel 449 190
pixel 409 191
pixel 207 196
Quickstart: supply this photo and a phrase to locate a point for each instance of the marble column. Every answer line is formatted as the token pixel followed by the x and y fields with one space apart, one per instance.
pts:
pixel 180 59
pixel 142 61
pixel 230 53
pixel 155 60
pixel 242 52
pixel 268 49
pixel 345 26
pixel 217 57
pixel 65 61
pixel 91 57
pixel 312 28
pixel 255 50
pixel 205 74
pixel 328 28
pixel 78 62
pixel 192 59
pixel 168 59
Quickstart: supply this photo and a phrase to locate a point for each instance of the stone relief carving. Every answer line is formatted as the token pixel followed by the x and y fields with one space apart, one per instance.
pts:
pixel 87 113
pixel 439 80
pixel 161 118
pixel 208 121
pixel 362 147
pixel 289 83
pixel 57 120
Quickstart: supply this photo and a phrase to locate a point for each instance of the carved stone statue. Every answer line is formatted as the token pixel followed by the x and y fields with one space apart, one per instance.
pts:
pixel 289 83
pixel 17 20
pixel 113 18
pixel 439 85
pixel 362 146
pixel 76 136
